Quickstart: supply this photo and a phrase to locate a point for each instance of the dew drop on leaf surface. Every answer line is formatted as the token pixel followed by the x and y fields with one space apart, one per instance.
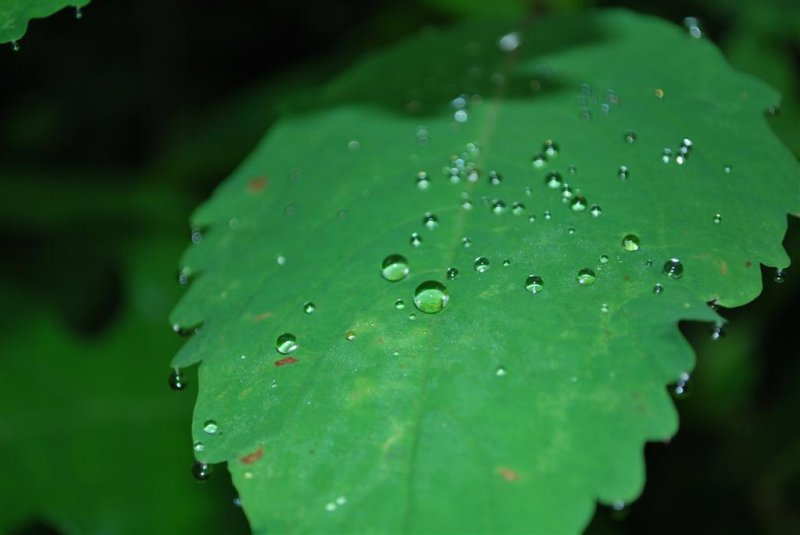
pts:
pixel 394 268
pixel 309 307
pixel 176 381
pixel 534 284
pixel 431 297
pixel 452 273
pixel 210 427
pixel 482 264
pixel 630 243
pixel 586 277
pixel 286 343
pixel 553 179
pixel 673 268
pixel 201 471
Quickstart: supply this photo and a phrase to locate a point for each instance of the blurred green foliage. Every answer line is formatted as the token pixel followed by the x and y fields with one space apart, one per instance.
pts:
pixel 114 126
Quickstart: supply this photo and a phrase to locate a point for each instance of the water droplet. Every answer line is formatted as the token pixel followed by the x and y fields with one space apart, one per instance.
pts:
pixel 460 116
pixel 399 304
pixel 176 381
pixel 623 172
pixel 528 191
pixel 509 42
pixel 692 25
pixel 415 240
pixel 482 264
pixel 534 284
pixel 604 307
pixel 498 207
pixel 197 236
pixel 531 218
pixel 237 502
pixel 210 427
pixel 452 273
pixel 681 389
pixel 350 335
pixel 500 371
pixel 15 46
pixel 423 180
pixel 780 276
pixel 517 208
pixel 571 231
pixel 586 115
pixel 466 204
pixel 717 333
pixel 353 145
pixel 586 277
pixel 506 262
pixel 572 170
pixel 341 500
pixel 281 260
pixel 341 215
pixel 538 161
pixel 673 268
pixel 412 317
pixel 566 192
pixel 422 135
pixel 658 289
pixel 773 109
pixel 201 471
pixel 603 259
pixel 578 203
pixel 466 242
pixel 553 179
pixel 547 215
pixel 666 155
pixel 550 148
pixel 286 343
pixel 430 221
pixel 431 297
pixel 495 178
pixel 717 218
pixel 595 210
pixel 727 169
pixel 659 93
pixel 78 13
pixel 630 243
pixel 198 447
pixel 630 137
pixel 309 307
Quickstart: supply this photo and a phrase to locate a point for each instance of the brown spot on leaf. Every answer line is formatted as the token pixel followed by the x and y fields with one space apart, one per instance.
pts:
pixel 284 361
pixel 262 317
pixel 257 184
pixel 627 278
pixel 507 473
pixel 723 268
pixel 250 458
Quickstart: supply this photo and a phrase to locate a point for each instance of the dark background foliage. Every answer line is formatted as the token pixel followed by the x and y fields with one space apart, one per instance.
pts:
pixel 113 127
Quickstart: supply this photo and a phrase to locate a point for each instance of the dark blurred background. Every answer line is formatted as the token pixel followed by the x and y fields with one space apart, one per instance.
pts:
pixel 114 126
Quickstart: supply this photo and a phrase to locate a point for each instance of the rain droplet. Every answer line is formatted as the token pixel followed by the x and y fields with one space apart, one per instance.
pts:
pixel 460 116
pixel 780 276
pixel 553 179
pixel 466 242
pixel 727 169
pixel 452 273
pixel 673 268
pixel 423 180
pixel 658 289
pixel 506 262
pixel 548 215
pixel 623 172
pixel 566 192
pixel 572 170
pixel 415 240
pixel 550 148
pixel 571 231
pixel 666 155
pixel 482 264
pixel 498 207
pixel 78 13
pixel 176 381
pixel 431 297
pixel 308 307
pixel 509 42
pixel 197 236
pixel 717 333
pixel 430 221
pixel 350 335
pixel 578 203
pixel 603 259
pixel 692 25
pixel 210 427
pixel 280 259
pixel 201 471
pixel 531 218
pixel 495 178
pixel 286 343
pixel 630 137
pixel 681 388
pixel 198 447
pixel 517 208
pixel 528 191
pixel 500 371
pixel 630 243
pixel 15 46
pixel 412 317
pixel 717 218
pixel 586 277
pixel 595 210
pixel 399 304
pixel 604 307
pixel 353 145
pixel 538 161
pixel 466 204
pixel 534 284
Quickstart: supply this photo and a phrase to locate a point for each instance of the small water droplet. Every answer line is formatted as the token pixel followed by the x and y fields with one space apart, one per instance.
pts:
pixel 198 447
pixel 412 316
pixel 547 215
pixel 15 46
pixel 572 170
pixel 586 115
pixel 727 169
pixel 596 210
pixel 498 206
pixel 482 264
pixel 78 13
pixel 399 304
pixel 717 333
pixel 309 307
pixel 466 204
pixel 517 208
pixel 509 42
pixel 717 218
pixel 780 276
pixel 201 471
pixel 341 215
pixel 658 289
pixel 553 179
pixel 531 218
pixel 630 243
pixel 452 273
pixel 659 93
pixel 431 297
pixel 578 203
pixel 666 155
pixel 197 236
pixel 176 381
pixel 603 259
pixel 630 137
pixel 430 221
pixel 281 260
pixel 353 145
pixel 506 262
pixel 495 178
pixel 586 277
pixel 538 161
pixel 210 427
pixel 681 389
pixel 692 25
pixel 500 371
pixel 461 116
pixel 550 148
pixel 604 307
pixel 534 284
pixel 623 172
pixel 415 240
pixel 286 343
pixel 566 192
pixel 423 180
pixel 466 242
pixel 673 268
pixel 350 335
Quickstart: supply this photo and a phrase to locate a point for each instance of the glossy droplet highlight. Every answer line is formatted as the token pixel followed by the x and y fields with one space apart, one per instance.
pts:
pixel 692 26
pixel 198 446
pixel 517 208
pixel 630 243
pixel 538 161
pixel 452 273
pixel 534 284
pixel 431 297
pixel 673 268
pixel 586 277
pixel 176 380
pixel 430 221
pixel 495 178
pixel 286 343
pixel 780 276
pixel 394 268
pixel 482 264
pixel 623 172
pixel 466 242
pixel 210 427
pixel 498 207
pixel 717 333
pixel 15 46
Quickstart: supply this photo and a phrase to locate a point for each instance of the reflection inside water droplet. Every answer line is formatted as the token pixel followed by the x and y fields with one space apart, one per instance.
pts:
pixel 481 264
pixel 673 268
pixel 201 471
pixel 630 243
pixel 534 284
pixel 553 180
pixel 452 273
pixel 286 343
pixel 500 371
pixel 431 297
pixel 394 268
pixel 399 304
pixel 586 277
pixel 658 289
pixel 430 221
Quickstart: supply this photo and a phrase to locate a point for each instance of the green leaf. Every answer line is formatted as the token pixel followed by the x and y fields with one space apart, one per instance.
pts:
pixel 508 411
pixel 15 14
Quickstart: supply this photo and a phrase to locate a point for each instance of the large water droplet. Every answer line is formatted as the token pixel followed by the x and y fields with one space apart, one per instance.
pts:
pixel 394 268
pixel 482 264
pixel 431 297
pixel 452 273
pixel 553 179
pixel 586 277
pixel 430 221
pixel 673 268
pixel 176 381
pixel 201 471
pixel 578 203
pixel 534 284
pixel 415 240
pixel 286 343
pixel 309 307
pixel 630 243
pixel 210 427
